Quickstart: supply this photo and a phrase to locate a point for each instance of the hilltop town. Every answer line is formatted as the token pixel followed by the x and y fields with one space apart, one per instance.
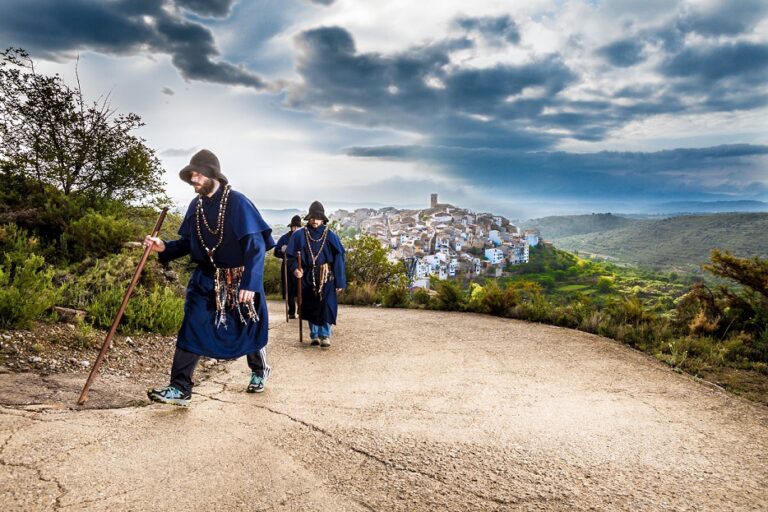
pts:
pixel 443 240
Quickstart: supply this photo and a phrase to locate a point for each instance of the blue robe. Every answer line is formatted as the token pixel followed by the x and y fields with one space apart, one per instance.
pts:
pixel 323 309
pixel 279 254
pixel 246 240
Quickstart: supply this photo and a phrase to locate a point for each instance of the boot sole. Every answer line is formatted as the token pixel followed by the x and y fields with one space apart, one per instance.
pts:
pixel 177 403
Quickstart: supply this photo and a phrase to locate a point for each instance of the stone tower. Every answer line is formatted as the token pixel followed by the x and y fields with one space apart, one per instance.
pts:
pixel 433 200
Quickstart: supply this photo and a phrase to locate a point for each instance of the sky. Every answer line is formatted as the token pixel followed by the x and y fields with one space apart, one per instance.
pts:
pixel 523 108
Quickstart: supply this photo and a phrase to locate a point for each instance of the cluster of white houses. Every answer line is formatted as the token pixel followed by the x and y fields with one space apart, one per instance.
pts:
pixel 443 241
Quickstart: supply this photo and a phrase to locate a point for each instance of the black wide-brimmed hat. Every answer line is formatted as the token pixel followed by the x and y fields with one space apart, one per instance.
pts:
pixel 206 163
pixel 295 221
pixel 316 211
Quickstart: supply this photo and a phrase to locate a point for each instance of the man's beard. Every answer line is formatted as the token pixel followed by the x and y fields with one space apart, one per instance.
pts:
pixel 206 187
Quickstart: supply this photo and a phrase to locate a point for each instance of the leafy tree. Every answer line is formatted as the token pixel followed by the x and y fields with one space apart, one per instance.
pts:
pixel 367 262
pixel 50 135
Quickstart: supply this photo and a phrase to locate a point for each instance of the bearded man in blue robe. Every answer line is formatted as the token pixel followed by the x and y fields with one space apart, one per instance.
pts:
pixel 225 312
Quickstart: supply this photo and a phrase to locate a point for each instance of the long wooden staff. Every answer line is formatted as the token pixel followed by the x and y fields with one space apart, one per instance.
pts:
pixel 120 311
pixel 301 323
pixel 285 284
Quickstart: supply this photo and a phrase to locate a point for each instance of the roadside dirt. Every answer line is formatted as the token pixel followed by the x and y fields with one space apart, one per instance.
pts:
pixel 408 410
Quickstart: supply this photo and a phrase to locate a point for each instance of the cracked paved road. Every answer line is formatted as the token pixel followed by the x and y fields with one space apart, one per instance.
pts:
pixel 409 410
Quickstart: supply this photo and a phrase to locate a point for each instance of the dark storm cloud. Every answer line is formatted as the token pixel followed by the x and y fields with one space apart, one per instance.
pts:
pixel 218 8
pixel 499 27
pixel 746 60
pixel 623 53
pixel 417 90
pixel 723 77
pixel 723 18
pixel 51 28
pixel 693 173
pixel 422 89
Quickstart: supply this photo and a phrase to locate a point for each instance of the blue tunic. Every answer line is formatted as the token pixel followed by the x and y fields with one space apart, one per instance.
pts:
pixel 323 309
pixel 246 240
pixel 279 254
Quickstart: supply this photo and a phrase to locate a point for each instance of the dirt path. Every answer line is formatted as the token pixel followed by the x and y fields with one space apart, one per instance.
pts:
pixel 409 410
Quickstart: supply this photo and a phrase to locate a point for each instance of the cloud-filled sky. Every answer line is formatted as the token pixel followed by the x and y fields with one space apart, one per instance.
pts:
pixel 523 108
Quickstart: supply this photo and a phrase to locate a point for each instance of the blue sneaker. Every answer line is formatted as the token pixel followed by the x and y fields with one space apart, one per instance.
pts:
pixel 169 395
pixel 256 385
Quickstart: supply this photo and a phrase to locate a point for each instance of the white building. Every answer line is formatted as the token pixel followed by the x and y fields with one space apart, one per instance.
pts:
pixel 518 252
pixel 495 256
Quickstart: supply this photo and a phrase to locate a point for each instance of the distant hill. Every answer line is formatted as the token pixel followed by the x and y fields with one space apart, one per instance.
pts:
pixel 682 242
pixel 557 227
pixel 713 206
pixel 278 219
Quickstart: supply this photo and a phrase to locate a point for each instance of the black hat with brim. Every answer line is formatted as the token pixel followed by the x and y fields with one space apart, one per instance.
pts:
pixel 205 163
pixel 295 221
pixel 316 211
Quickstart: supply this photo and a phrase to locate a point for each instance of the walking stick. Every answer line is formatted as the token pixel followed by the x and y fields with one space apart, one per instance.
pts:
pixel 285 284
pixel 301 323
pixel 120 311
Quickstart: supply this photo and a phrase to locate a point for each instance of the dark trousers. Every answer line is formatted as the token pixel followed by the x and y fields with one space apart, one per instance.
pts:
pixel 291 303
pixel 292 291
pixel 184 364
pixel 291 299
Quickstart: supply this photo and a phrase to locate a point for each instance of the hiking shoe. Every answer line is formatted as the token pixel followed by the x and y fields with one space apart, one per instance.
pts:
pixel 256 385
pixel 325 342
pixel 169 395
pixel 315 341
pixel 291 317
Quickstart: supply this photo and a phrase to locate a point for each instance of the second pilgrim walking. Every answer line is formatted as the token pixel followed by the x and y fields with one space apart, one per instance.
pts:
pixel 322 274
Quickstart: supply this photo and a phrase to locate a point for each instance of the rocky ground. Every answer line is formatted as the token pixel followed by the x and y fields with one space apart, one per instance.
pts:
pixel 52 359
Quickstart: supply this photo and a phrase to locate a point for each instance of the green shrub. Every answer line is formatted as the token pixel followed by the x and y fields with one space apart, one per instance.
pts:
pixel 420 297
pixel 96 235
pixel 395 296
pixel 160 310
pixel 26 287
pixel 605 284
pixel 358 294
pixel 493 300
pixel 449 296
pixel 85 281
pixel 26 291
pixel 99 285
pixel 272 275
pixel 629 311
pixel 592 321
pixel 565 317
pixel 366 262
pixel 743 348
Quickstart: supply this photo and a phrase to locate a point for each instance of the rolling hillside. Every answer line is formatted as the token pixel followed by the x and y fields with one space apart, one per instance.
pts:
pixel 557 227
pixel 672 243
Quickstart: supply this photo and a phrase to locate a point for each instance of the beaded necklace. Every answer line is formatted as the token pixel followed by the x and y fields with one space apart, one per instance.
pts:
pixel 226 280
pixel 325 270
pixel 323 238
pixel 219 222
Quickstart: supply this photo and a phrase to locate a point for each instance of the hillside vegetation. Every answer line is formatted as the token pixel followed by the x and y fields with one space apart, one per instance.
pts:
pixel 558 227
pixel 677 243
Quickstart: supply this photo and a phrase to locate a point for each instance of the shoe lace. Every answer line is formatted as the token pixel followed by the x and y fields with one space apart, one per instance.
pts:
pixel 172 392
